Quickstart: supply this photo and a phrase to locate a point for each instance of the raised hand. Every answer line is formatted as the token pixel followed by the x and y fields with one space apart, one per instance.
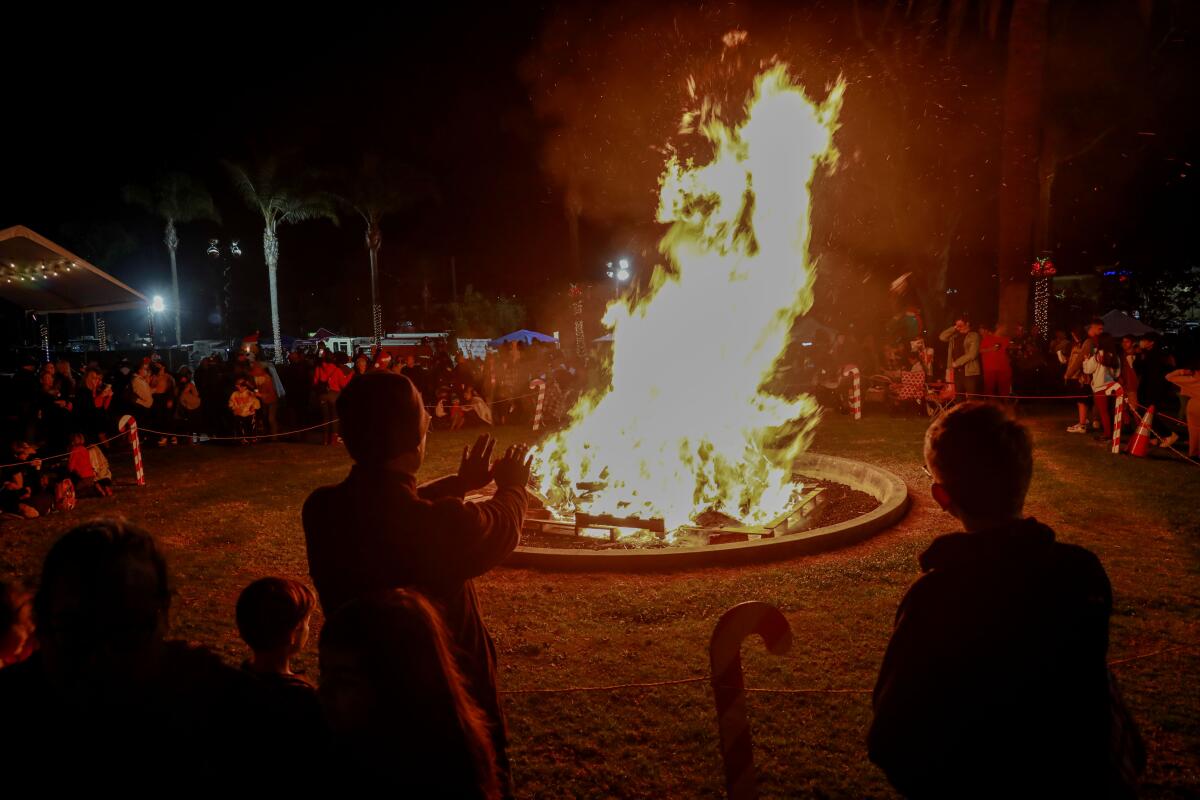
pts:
pixel 475 469
pixel 513 469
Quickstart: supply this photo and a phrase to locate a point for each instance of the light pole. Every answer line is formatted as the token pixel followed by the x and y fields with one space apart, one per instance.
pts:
pixel 234 250
pixel 619 274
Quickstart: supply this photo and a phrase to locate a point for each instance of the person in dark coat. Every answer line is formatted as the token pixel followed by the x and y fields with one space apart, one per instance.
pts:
pixel 1152 366
pixel 995 682
pixel 378 530
pixel 107 698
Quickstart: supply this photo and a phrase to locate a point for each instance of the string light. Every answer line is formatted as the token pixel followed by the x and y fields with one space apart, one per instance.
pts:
pixel 1043 270
pixel 576 293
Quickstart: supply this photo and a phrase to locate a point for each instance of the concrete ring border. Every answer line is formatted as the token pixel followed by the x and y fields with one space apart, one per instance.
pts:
pixel 884 486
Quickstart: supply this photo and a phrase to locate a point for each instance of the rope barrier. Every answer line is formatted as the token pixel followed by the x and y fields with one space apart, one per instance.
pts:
pixel 1061 397
pixel 67 454
pixel 616 687
pixel 1121 661
pixel 1162 415
pixel 432 407
pixel 240 438
pixel 1030 396
pixel 1138 418
pixel 609 688
pixel 209 438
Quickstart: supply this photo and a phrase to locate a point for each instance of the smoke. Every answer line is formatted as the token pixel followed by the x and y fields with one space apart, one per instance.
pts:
pixel 611 83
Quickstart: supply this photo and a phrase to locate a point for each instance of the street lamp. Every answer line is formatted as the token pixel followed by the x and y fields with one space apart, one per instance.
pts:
pixel 157 306
pixel 620 273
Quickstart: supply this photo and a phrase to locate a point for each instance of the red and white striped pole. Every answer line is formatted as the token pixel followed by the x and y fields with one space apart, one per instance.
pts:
pixel 1118 414
pixel 725 655
pixel 540 385
pixel 129 422
pixel 855 389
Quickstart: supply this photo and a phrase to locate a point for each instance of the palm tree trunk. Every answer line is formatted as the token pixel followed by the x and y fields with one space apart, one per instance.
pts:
pixel 271 251
pixel 374 242
pixel 1027 35
pixel 172 242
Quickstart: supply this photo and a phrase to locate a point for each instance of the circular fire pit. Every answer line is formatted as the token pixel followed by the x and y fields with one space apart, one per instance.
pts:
pixel 886 488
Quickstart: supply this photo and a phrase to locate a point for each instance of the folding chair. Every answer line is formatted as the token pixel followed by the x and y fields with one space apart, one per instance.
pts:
pixel 940 397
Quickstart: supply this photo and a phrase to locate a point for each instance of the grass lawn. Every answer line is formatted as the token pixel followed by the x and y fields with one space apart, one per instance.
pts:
pixel 227 515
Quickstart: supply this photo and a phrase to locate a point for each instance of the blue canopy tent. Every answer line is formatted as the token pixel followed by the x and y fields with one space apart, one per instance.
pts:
pixel 525 337
pixel 1118 323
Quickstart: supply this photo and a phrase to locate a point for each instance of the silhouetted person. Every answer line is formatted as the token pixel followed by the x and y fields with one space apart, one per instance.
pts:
pixel 106 686
pixel 402 717
pixel 17 641
pixel 273 616
pixel 995 682
pixel 377 530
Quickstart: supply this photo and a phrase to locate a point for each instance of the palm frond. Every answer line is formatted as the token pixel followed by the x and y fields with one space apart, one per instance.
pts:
pixel 304 207
pixel 186 199
pixel 173 196
pixel 282 197
pixel 138 195
pixel 381 187
pixel 247 187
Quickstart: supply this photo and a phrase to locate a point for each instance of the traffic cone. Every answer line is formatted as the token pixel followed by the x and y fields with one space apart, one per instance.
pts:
pixel 1140 444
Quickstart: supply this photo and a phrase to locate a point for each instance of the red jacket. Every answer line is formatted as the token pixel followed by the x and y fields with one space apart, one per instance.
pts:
pixel 995 360
pixel 332 376
pixel 80 463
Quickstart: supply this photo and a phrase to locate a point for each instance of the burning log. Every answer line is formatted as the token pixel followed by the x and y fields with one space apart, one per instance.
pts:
pixel 605 521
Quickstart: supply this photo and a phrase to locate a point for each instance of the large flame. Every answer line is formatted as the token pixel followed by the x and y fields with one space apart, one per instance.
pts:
pixel 687 425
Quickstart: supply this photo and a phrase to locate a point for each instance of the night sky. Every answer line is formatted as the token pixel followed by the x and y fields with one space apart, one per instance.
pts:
pixel 484 104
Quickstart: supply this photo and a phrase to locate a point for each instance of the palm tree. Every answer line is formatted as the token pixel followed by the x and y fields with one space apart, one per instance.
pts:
pixel 279 200
pixel 378 189
pixel 176 198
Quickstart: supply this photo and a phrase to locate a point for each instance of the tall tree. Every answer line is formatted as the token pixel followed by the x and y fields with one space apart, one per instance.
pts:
pixel 379 188
pixel 280 199
pixel 176 198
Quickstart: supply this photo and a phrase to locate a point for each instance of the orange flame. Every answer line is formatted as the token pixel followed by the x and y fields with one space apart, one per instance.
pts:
pixel 686 425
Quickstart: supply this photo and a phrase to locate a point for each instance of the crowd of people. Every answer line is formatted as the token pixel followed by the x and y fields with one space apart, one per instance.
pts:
pixel 995 679
pixel 989 362
pixel 60 417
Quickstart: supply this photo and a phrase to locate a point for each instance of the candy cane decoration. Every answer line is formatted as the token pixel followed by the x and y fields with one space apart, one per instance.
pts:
pixel 725 655
pixel 540 385
pixel 129 422
pixel 1118 414
pixel 855 389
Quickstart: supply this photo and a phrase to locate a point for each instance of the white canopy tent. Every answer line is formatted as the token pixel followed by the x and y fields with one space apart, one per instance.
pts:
pixel 43 277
